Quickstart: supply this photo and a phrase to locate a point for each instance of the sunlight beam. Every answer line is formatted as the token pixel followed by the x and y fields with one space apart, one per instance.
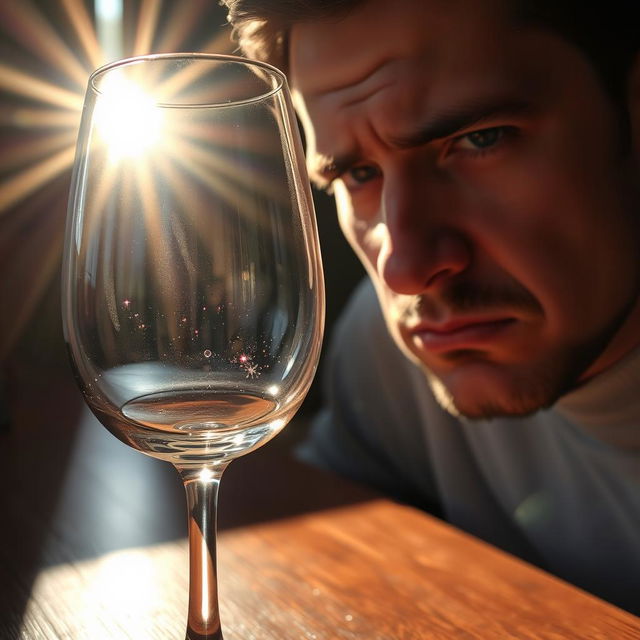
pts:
pixel 109 28
pixel 26 279
pixel 28 26
pixel 147 26
pixel 17 151
pixel 210 173
pixel 15 189
pixel 60 45
pixel 160 237
pixel 25 85
pixel 82 25
pixel 181 23
pixel 221 43
pixel 38 118
pixel 202 163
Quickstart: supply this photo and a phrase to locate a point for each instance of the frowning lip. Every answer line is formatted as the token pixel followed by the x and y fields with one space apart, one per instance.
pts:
pixel 461 333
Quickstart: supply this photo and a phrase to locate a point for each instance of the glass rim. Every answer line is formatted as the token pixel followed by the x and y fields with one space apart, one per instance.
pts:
pixel 247 62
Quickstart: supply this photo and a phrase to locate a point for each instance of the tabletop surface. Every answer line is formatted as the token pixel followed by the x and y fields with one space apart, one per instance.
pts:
pixel 92 545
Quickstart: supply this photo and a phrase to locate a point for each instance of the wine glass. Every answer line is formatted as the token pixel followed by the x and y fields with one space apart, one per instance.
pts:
pixel 193 301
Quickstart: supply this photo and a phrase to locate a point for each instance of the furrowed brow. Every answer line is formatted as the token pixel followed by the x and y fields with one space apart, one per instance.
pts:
pixel 457 119
pixel 323 169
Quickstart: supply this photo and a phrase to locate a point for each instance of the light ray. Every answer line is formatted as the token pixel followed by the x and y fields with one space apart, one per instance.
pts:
pixel 147 26
pixel 20 152
pixel 39 118
pixel 181 23
pixel 81 22
pixel 203 163
pixel 29 27
pixel 29 180
pixel 190 200
pixel 189 74
pixel 100 196
pixel 63 44
pixel 200 165
pixel 225 137
pixel 220 43
pixel 168 288
pixel 25 85
pixel 26 279
pixel 109 28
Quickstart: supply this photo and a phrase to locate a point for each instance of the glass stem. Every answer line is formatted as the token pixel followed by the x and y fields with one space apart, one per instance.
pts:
pixel 201 485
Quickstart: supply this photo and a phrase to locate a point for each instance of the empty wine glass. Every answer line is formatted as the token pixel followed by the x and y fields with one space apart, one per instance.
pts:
pixel 193 300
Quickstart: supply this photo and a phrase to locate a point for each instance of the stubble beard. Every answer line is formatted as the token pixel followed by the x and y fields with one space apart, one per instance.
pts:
pixel 532 386
pixel 538 387
pixel 525 388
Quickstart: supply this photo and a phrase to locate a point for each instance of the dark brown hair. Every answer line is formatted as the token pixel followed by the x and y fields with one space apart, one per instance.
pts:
pixel 261 27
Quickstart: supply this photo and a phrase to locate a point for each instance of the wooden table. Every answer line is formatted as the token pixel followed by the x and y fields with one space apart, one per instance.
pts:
pixel 92 546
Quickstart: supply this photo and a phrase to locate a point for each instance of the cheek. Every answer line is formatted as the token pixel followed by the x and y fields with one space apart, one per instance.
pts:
pixel 567 239
pixel 363 236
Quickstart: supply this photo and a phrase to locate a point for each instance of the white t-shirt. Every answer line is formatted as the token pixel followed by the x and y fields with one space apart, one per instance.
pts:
pixel 560 488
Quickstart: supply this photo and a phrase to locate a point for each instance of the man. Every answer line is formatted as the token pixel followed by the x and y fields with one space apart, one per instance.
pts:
pixel 484 158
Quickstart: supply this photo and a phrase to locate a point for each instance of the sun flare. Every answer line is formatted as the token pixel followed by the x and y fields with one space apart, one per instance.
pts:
pixel 127 119
pixel 49 48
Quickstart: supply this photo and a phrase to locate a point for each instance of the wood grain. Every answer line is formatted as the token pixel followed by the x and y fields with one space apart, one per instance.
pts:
pixel 375 571
pixel 92 546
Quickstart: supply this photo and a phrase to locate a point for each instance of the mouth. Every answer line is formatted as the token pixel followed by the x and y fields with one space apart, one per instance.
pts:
pixel 463 334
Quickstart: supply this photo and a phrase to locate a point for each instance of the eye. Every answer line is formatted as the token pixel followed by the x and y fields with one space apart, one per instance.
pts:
pixel 481 140
pixel 360 174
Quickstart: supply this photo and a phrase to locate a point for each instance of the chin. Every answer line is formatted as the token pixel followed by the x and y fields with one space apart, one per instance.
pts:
pixel 485 391
pixel 477 385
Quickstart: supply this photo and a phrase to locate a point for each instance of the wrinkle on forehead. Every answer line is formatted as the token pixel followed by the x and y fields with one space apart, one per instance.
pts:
pixel 372 73
pixel 372 82
pixel 331 54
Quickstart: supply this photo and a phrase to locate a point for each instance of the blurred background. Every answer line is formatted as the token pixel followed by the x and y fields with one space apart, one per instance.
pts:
pixel 47 50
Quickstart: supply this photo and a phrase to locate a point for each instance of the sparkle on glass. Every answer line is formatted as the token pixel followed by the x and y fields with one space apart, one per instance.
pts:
pixel 251 371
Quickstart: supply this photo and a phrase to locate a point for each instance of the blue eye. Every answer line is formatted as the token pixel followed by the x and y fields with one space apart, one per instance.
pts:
pixel 481 139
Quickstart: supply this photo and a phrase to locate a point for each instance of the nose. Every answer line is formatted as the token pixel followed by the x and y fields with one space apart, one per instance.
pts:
pixel 420 248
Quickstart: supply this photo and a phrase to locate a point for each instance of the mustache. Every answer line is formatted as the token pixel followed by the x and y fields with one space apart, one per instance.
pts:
pixel 467 297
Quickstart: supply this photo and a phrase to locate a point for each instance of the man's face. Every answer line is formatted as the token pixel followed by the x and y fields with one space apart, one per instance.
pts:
pixel 479 177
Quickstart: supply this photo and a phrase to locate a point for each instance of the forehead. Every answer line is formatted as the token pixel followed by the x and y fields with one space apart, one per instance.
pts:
pixel 335 51
pixel 390 62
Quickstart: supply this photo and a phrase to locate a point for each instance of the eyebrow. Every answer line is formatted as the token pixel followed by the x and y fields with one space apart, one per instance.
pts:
pixel 326 168
pixel 456 119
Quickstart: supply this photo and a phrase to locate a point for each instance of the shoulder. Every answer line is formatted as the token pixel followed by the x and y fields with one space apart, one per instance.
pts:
pixel 370 385
pixel 371 425
pixel 361 340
